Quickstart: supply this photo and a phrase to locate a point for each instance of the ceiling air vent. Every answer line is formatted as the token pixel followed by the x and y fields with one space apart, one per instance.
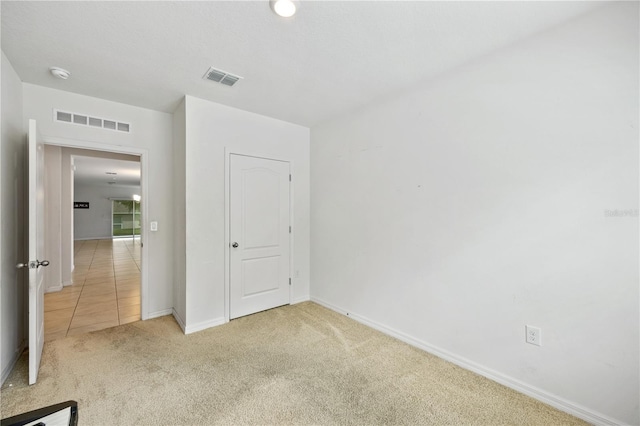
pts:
pixel 89 121
pixel 221 77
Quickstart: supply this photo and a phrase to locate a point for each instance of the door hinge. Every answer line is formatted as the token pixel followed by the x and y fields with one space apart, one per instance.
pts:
pixel 289 229
pixel 289 281
pixel 289 178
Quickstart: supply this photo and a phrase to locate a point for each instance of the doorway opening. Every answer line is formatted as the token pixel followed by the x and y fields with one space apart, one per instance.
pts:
pixel 105 288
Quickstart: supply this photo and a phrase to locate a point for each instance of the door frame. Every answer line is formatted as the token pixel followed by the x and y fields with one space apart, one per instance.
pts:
pixel 228 152
pixel 144 170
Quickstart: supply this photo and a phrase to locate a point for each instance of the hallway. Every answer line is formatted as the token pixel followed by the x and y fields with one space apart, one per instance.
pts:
pixel 105 291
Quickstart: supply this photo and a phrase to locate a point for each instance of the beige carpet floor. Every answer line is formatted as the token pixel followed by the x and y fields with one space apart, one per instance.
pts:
pixel 300 364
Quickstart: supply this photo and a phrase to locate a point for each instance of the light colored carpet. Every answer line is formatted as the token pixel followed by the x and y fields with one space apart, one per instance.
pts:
pixel 300 364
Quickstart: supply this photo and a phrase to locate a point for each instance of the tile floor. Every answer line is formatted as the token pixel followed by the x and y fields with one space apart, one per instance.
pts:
pixel 105 290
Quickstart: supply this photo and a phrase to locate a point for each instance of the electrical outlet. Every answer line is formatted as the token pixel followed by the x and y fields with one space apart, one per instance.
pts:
pixel 533 335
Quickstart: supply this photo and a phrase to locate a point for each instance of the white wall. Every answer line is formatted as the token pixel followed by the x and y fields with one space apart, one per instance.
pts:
pixel 94 223
pixel 52 274
pixel 151 131
pixel 457 213
pixel 66 218
pixel 12 211
pixel 210 128
pixel 179 212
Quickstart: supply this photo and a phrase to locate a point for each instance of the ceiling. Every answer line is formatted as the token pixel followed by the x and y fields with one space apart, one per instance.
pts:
pixel 93 171
pixel 330 58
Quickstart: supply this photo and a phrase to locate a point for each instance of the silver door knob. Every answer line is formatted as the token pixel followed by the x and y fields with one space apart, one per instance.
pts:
pixel 33 264
pixel 234 245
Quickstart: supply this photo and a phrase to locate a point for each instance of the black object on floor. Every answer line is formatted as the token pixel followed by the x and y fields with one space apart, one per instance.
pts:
pixel 63 414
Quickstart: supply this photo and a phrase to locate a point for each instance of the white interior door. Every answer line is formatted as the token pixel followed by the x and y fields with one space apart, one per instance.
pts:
pixel 36 250
pixel 259 234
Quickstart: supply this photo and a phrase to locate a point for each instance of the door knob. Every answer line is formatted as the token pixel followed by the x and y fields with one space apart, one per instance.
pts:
pixel 234 245
pixel 33 264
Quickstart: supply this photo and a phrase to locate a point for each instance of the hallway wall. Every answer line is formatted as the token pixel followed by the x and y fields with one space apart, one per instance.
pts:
pixel 94 223
pixel 52 274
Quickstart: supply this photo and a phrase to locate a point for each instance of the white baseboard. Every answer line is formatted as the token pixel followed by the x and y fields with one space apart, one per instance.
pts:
pixel 179 320
pixel 66 283
pixel 301 299
pixel 204 325
pixel 9 367
pixel 532 391
pixel 54 289
pixel 161 313
pixel 108 237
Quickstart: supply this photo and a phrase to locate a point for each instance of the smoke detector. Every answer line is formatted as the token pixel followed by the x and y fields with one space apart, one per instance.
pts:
pixel 59 72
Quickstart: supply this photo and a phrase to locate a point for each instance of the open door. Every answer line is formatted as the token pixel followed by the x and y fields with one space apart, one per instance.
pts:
pixel 36 250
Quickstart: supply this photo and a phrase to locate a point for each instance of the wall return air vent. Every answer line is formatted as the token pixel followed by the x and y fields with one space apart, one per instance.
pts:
pixel 221 77
pixel 90 121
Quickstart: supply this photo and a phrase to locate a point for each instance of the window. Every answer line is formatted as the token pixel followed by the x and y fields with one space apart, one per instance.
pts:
pixel 125 218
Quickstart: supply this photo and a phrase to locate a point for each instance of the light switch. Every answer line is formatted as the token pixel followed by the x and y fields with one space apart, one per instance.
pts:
pixel 154 226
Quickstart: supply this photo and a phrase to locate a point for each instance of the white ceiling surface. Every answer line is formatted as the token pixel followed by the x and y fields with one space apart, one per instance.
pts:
pixel 331 57
pixel 93 171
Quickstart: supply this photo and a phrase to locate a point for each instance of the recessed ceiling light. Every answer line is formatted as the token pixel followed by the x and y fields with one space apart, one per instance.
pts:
pixel 284 8
pixel 60 73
